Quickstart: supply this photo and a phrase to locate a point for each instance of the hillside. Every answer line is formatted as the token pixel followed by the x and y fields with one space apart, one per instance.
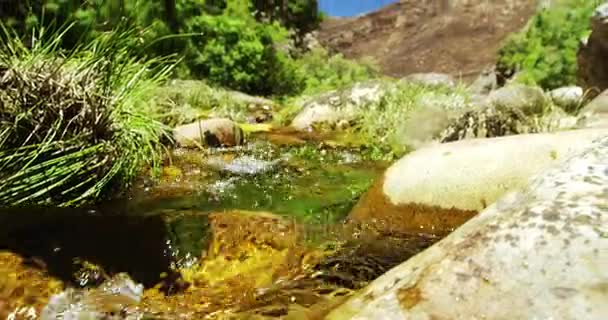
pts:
pixel 460 37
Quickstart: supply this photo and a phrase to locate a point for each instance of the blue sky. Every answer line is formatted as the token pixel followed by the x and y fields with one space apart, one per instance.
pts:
pixel 347 8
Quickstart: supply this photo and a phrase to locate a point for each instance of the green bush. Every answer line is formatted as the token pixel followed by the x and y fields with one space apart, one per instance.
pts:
pixel 74 128
pixel 240 54
pixel 544 53
pixel 325 72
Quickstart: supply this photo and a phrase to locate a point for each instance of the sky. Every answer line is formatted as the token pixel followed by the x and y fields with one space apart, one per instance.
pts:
pixel 347 8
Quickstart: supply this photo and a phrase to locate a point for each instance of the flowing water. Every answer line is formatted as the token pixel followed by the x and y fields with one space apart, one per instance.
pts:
pixel 252 231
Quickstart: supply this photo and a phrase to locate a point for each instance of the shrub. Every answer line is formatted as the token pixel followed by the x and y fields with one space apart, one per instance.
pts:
pixel 73 128
pixel 240 54
pixel 388 123
pixel 545 51
pixel 324 72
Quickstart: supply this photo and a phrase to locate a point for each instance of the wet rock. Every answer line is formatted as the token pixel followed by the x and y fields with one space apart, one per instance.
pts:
pixel 595 113
pixel 244 165
pixel 530 100
pixel 337 106
pixel 109 301
pixel 234 230
pixel 567 98
pixel 538 253
pixel 217 132
pixel 24 287
pixel 438 188
pixel 431 79
pixel 592 63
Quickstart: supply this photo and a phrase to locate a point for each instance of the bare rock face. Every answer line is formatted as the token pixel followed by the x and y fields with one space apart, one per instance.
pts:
pixel 592 61
pixel 539 253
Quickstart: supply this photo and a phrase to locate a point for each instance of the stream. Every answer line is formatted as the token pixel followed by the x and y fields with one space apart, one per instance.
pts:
pixel 252 231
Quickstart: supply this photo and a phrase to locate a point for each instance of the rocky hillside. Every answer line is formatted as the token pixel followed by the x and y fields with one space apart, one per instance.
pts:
pixel 460 37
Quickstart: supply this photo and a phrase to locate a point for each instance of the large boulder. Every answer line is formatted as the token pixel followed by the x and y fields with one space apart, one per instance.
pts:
pixel 436 189
pixel 338 106
pixel 218 132
pixel 541 253
pixel 592 62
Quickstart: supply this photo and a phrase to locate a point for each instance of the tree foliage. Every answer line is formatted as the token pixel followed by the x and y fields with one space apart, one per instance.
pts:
pixel 544 53
pixel 232 43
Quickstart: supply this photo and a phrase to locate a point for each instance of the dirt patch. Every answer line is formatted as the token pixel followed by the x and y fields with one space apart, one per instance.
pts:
pixel 458 37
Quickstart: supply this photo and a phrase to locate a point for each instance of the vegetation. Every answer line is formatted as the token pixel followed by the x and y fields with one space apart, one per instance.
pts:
pixel 324 72
pixel 544 53
pixel 73 126
pixel 185 101
pixel 221 41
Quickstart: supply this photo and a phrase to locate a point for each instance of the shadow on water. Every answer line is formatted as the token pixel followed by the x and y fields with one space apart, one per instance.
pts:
pixel 66 241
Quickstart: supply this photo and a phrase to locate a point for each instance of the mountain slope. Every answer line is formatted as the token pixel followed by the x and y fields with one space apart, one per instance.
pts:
pixel 459 37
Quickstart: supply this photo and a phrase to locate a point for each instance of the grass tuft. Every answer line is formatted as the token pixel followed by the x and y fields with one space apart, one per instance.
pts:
pixel 74 126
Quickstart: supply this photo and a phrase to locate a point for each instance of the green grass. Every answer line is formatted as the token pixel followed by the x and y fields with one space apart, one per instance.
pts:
pixel 74 126
pixel 185 101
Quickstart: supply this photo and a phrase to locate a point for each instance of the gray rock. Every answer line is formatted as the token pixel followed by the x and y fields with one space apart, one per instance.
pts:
pixel 530 100
pixel 485 83
pixel 567 98
pixel 431 79
pixel 539 253
pixel 338 106
pixel 210 133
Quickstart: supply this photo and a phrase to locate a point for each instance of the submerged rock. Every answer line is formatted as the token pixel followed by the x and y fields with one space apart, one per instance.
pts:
pixel 218 132
pixel 245 165
pixel 438 188
pixel 109 301
pixel 541 253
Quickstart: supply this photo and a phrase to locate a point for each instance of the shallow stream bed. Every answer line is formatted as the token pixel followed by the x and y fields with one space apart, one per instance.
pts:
pixel 252 231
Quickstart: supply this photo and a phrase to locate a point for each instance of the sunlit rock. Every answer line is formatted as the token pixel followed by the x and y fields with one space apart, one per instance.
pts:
pixel 437 188
pixel 337 106
pixel 567 98
pixel 209 133
pixel 540 253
